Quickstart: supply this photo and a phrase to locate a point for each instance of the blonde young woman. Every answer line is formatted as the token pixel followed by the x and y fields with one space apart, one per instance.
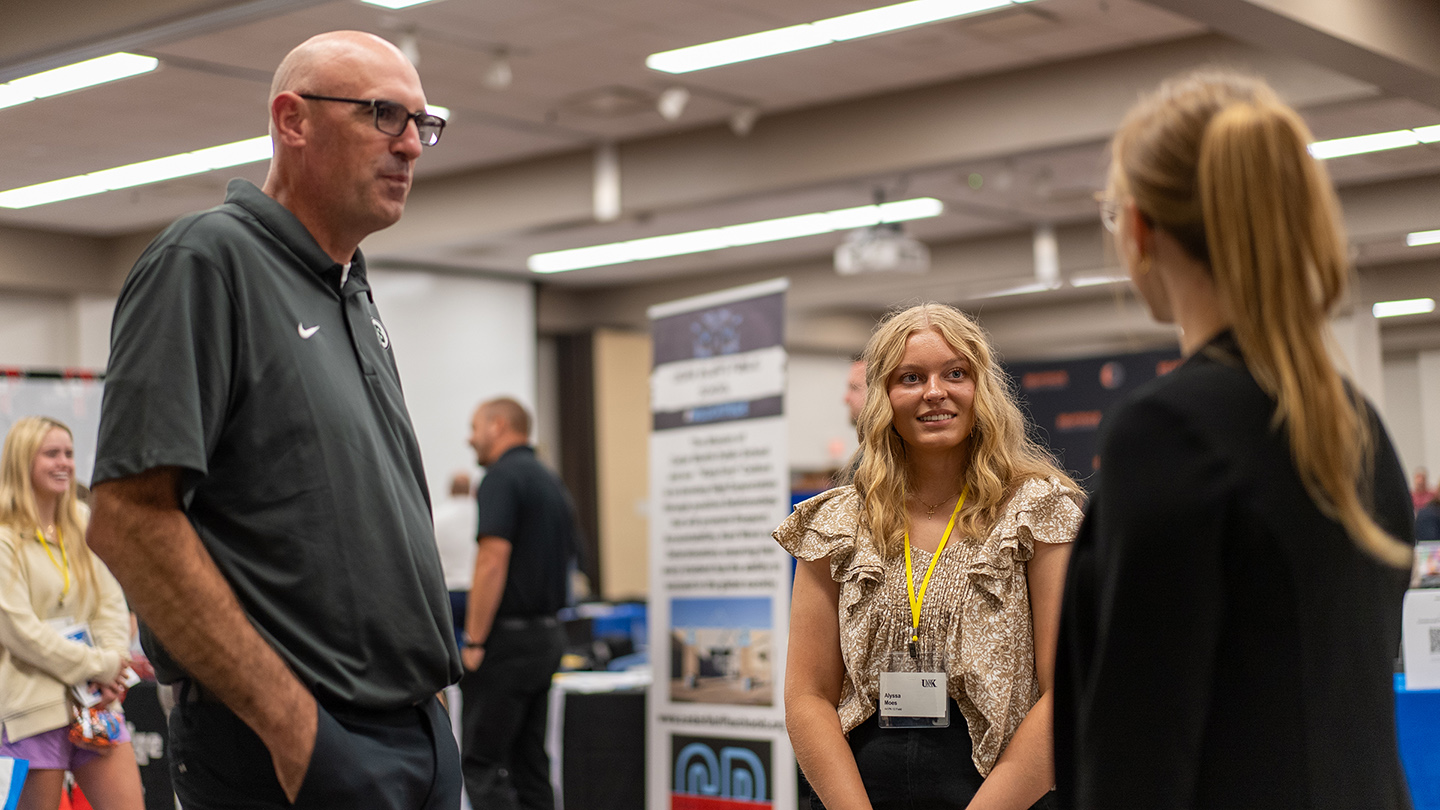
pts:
pixel 1233 605
pixel 951 490
pixel 49 579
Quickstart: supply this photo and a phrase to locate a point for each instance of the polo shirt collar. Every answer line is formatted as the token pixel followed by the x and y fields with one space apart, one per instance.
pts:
pixel 518 450
pixel 292 232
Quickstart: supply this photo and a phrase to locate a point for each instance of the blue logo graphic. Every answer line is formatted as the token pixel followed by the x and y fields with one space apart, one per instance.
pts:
pixel 737 773
pixel 716 332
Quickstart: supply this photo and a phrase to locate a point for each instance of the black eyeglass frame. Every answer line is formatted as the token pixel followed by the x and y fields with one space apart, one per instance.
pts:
pixel 423 121
pixel 1110 214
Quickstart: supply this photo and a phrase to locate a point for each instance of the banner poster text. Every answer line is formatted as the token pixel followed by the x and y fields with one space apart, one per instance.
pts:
pixel 719 584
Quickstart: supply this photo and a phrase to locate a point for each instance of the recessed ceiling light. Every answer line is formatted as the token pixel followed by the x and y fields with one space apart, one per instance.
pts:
pixel 1422 238
pixel 750 233
pixel 821 32
pixel 89 73
pixel 139 174
pixel 1374 142
pixel 1411 306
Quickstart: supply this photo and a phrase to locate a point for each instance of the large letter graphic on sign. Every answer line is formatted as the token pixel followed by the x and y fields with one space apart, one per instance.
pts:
pixel 741 783
pixel 700 777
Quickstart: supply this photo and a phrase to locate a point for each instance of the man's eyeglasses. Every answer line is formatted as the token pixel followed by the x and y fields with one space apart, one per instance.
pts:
pixel 1109 212
pixel 391 117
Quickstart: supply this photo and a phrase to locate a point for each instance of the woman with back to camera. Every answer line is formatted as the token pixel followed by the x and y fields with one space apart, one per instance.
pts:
pixel 935 695
pixel 49 579
pixel 1233 606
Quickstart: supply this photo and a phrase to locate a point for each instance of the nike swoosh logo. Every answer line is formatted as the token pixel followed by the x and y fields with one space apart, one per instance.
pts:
pixel 306 333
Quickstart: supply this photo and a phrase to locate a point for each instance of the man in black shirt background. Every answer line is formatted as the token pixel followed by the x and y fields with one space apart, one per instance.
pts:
pixel 513 643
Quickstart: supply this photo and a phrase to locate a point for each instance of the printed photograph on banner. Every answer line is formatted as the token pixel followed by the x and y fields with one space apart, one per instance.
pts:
pixel 720 651
pixel 1426 573
pixel 718 773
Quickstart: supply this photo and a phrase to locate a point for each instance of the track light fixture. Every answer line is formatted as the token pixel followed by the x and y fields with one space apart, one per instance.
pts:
pixel 671 103
pixel 409 44
pixel 743 120
pixel 499 75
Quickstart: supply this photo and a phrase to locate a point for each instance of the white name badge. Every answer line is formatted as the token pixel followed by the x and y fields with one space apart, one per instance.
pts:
pixel 913 694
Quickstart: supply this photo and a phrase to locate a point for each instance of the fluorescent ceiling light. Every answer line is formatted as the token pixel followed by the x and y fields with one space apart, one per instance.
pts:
pixel 1422 238
pixel 139 174
pixel 1412 306
pixel 395 4
pixel 1096 281
pixel 1375 142
pixel 813 35
pixel 749 233
pixel 74 77
pixel 1022 289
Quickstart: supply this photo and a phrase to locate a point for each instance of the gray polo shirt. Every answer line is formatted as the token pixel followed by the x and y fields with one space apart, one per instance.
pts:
pixel 236 357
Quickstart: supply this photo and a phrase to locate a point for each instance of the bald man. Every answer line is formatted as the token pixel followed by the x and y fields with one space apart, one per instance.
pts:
pixel 258 487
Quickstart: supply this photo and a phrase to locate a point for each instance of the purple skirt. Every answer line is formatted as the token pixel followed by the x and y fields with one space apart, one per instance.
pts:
pixel 52 750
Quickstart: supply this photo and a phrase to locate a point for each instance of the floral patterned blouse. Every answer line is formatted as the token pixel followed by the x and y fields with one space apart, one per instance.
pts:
pixel 977 606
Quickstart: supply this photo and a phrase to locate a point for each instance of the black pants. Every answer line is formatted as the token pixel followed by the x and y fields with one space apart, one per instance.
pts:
pixel 459 602
pixel 917 768
pixel 504 709
pixel 393 760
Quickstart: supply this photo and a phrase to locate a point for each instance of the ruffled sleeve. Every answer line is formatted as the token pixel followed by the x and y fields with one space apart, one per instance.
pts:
pixel 1041 509
pixel 828 525
pixel 997 644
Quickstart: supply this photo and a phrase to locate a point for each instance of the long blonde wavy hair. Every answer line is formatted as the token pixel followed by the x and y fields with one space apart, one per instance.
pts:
pixel 1220 163
pixel 1002 453
pixel 18 512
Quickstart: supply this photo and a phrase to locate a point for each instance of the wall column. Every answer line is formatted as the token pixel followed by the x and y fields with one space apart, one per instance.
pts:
pixel 1429 373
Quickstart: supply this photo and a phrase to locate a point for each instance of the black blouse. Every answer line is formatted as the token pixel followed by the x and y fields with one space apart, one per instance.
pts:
pixel 1223 644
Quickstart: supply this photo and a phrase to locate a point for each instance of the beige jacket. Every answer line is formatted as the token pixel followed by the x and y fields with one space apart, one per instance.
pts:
pixel 36 662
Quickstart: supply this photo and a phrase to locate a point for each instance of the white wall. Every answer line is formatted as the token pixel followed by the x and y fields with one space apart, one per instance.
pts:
pixel 1356 337
pixel 821 436
pixel 1402 416
pixel 93 314
pixel 37 330
pixel 458 341
pixel 547 403
pixel 1428 381
pixel 1412 389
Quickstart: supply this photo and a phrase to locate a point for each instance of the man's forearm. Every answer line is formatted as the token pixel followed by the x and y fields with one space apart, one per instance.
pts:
pixel 492 562
pixel 174 585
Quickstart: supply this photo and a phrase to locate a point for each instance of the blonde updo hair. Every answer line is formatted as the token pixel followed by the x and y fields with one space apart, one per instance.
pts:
pixel 1002 455
pixel 1219 162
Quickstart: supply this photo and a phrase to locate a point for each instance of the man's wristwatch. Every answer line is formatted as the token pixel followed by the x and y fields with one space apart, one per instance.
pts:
pixel 470 643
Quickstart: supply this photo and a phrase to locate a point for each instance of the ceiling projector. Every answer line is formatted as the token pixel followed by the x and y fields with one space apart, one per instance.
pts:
pixel 881 248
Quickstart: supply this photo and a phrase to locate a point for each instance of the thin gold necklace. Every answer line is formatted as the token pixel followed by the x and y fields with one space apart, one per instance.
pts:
pixel 930 510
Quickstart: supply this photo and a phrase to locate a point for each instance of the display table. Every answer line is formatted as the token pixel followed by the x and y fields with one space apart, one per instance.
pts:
pixel 1417 722
pixel 596 740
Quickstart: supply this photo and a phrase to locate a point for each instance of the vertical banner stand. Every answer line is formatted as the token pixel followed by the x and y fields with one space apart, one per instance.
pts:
pixel 719 584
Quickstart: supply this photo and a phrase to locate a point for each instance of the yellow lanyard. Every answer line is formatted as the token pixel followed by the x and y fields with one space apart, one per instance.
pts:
pixel 65 558
pixel 917 601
